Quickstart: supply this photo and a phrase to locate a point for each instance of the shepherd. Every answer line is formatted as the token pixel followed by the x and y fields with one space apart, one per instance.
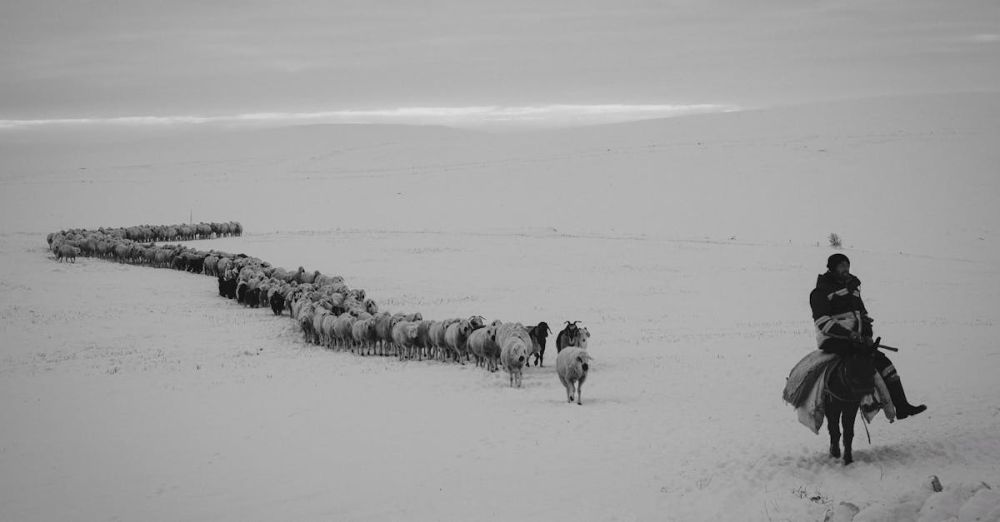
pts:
pixel 843 326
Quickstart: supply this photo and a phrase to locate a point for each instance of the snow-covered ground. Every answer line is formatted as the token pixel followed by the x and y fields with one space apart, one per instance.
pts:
pixel 687 246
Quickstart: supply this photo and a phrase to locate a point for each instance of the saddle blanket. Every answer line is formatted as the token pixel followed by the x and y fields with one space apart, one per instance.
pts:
pixel 805 389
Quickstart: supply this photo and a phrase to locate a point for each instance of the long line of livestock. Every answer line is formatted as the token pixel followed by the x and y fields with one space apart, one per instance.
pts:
pixel 329 312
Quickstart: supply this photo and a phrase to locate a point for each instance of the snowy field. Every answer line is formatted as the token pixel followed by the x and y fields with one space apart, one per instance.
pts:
pixel 687 246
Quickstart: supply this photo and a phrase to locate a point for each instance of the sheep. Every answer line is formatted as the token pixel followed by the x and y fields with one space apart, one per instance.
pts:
pixel 364 335
pixel 223 264
pixel 211 264
pixel 283 275
pixel 513 355
pixel 568 336
pixel 325 327
pixel 308 278
pixel 456 337
pixel 436 332
pixel 477 322
pixel 383 329
pixel 299 305
pixel 277 301
pixel 325 280
pixel 67 252
pixel 424 342
pixel 483 346
pixel 320 320
pixel 305 320
pixel 264 294
pixel 539 333
pixel 404 335
pixel 241 292
pixel 342 328
pixel 572 365
pixel 162 258
pixel 508 331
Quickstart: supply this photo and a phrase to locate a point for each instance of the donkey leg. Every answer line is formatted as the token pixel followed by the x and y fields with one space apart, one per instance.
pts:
pixel 850 414
pixel 833 426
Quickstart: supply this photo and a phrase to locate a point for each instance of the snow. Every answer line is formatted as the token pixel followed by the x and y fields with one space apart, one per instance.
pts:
pixel 686 246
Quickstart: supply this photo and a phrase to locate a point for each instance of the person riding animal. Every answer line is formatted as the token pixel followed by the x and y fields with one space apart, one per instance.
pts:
pixel 843 326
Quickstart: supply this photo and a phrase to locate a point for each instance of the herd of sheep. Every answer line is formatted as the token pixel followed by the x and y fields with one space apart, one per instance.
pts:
pixel 329 312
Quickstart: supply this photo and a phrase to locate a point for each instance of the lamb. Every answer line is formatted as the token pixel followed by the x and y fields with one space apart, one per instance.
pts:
pixel 572 365
pixel 539 333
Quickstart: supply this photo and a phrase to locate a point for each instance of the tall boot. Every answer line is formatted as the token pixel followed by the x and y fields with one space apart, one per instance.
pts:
pixel 903 408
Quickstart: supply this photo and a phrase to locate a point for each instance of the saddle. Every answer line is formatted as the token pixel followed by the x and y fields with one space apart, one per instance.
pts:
pixel 857 373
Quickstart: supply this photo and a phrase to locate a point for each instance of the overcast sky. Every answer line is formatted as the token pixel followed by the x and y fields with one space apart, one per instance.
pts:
pixel 104 59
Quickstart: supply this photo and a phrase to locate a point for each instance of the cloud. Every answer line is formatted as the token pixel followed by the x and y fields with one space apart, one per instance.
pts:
pixel 471 116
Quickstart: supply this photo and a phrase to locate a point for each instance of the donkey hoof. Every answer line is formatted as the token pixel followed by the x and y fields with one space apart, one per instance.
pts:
pixel 835 452
pixel 848 460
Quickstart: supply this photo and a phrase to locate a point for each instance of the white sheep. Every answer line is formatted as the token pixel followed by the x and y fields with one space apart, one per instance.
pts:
pixel 572 365
pixel 513 355
pixel 456 337
pixel 343 327
pixel 404 336
pixel 483 346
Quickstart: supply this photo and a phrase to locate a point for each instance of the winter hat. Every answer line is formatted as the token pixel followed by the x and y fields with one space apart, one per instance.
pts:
pixel 836 259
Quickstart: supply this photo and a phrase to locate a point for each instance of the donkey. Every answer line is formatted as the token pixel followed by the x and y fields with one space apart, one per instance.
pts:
pixel 850 380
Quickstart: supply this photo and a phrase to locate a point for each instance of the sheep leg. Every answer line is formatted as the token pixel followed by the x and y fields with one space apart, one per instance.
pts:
pixel 579 393
pixel 569 388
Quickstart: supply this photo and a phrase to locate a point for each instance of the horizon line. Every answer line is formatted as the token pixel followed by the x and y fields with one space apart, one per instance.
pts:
pixel 467 116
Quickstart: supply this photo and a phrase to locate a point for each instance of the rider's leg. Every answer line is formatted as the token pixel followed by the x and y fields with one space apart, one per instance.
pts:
pixel 888 371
